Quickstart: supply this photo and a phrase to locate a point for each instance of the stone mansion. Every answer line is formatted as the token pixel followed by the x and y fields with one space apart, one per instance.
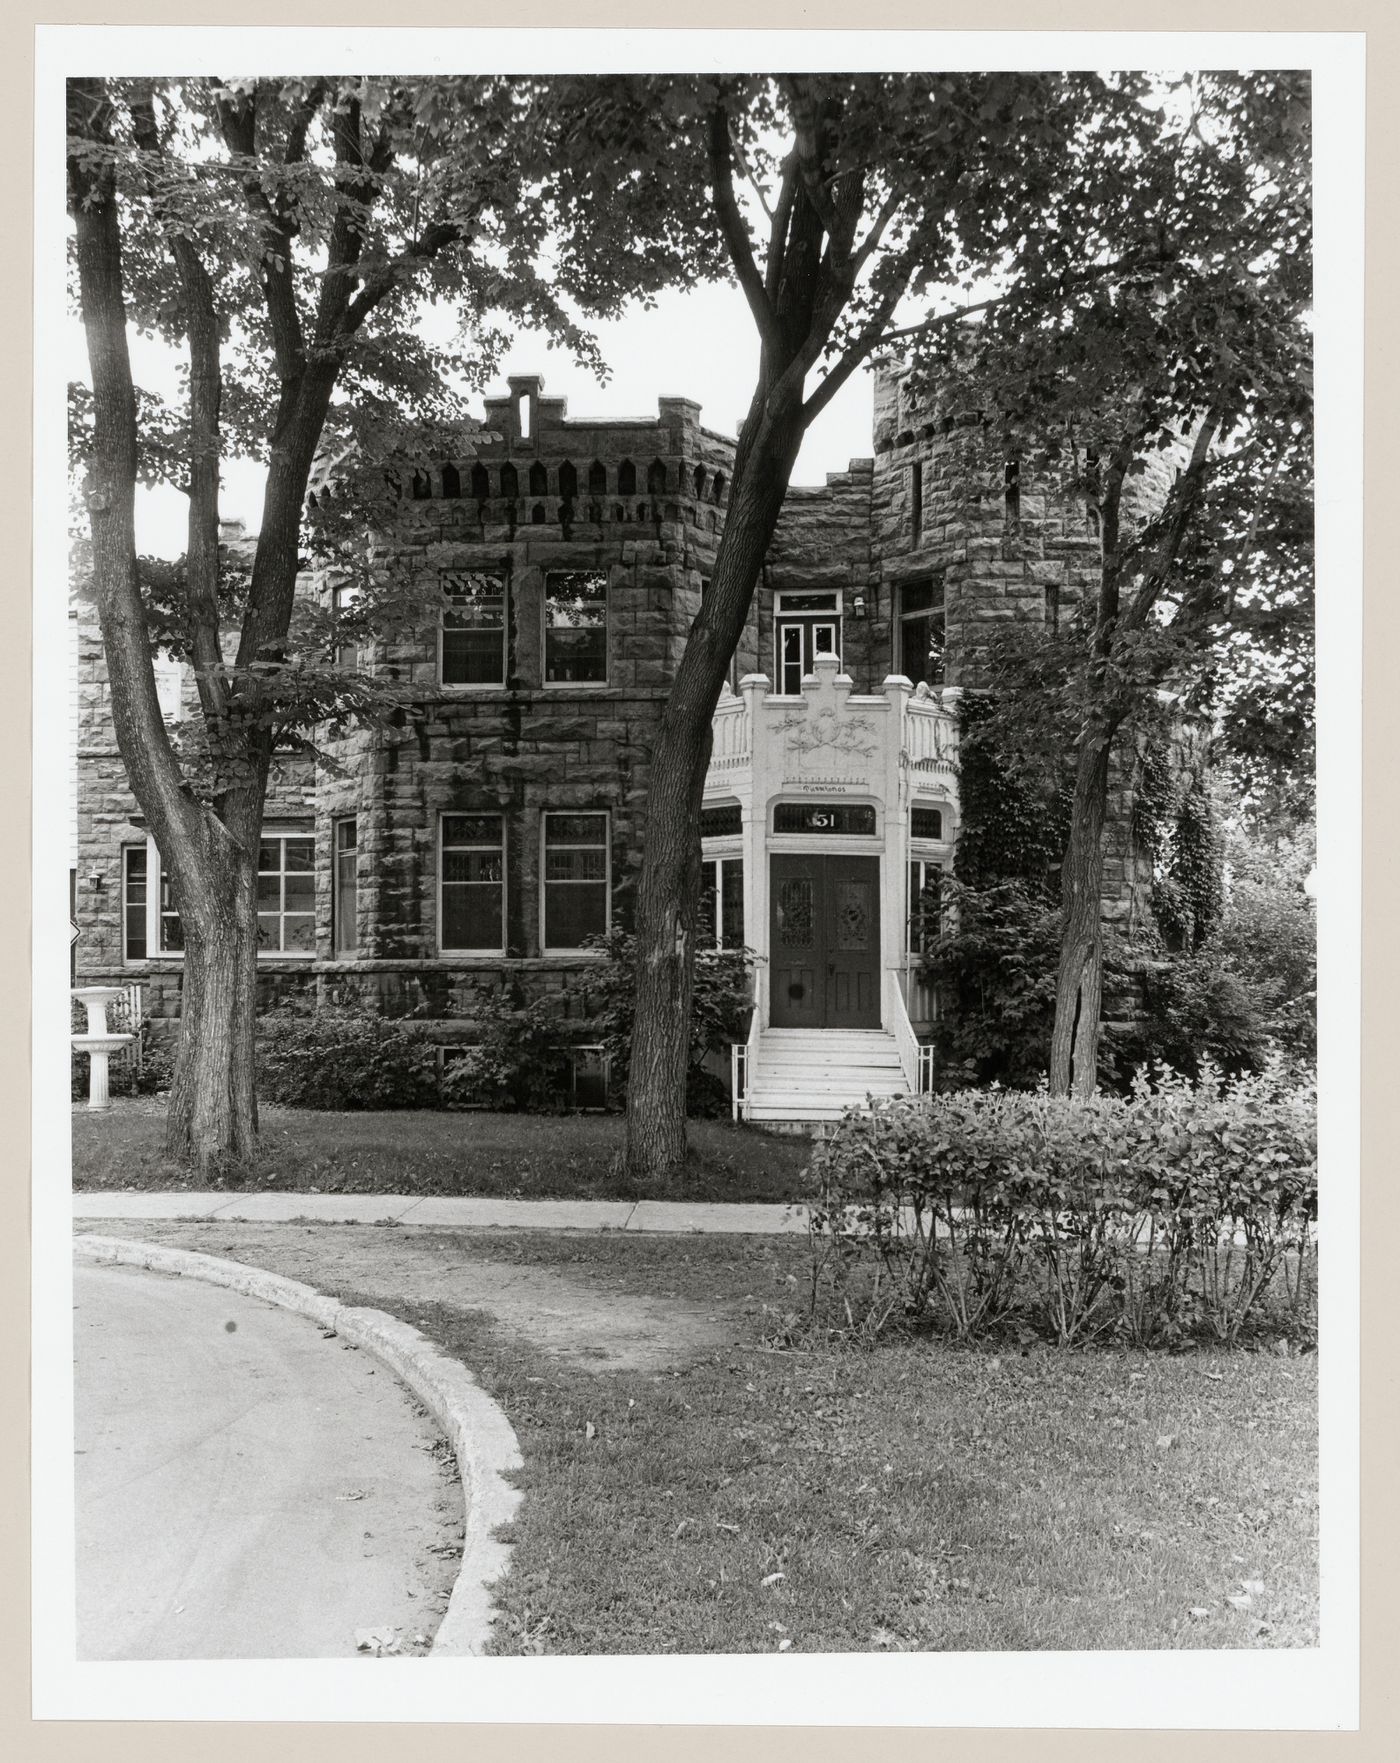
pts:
pixel 485 840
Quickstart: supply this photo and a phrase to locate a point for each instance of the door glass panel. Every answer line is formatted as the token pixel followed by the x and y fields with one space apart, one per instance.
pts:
pixel 795 913
pixel 823 639
pixel 792 660
pixel 852 915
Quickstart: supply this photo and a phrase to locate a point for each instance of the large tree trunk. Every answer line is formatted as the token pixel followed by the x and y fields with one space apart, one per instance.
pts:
pixel 668 892
pixel 1079 990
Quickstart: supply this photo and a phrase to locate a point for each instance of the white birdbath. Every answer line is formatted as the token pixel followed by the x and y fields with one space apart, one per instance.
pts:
pixel 97 1043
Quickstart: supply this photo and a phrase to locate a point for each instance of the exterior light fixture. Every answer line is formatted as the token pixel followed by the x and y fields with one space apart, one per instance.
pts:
pixel 95 881
pixel 858 606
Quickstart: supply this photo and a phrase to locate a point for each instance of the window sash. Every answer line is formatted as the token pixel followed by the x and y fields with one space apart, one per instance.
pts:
pixel 134 903
pixel 472 883
pixel 576 628
pixel 924 917
pixel 722 902
pixel 286 894
pixel 345 886
pixel 473 651
pixel 574 880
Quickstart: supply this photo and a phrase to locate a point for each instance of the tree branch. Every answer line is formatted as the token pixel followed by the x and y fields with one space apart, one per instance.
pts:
pixel 735 233
pixel 238 124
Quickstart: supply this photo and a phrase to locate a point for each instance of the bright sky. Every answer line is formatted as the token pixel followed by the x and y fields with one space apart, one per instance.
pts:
pixel 698 345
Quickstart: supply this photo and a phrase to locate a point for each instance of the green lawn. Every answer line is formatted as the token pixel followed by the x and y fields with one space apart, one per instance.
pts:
pixel 914 1497
pixel 536 1156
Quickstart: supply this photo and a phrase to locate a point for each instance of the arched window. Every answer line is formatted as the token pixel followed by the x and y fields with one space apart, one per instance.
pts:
pixel 539 479
pixel 568 481
pixel 597 478
pixel 481 482
pixel 537 514
pixel 627 478
pixel 510 482
pixel 1012 492
pixel 718 490
pixel 422 487
pixel 699 480
pixel 451 482
pixel 656 478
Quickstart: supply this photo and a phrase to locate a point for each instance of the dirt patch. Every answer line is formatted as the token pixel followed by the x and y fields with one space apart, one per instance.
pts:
pixel 567 1315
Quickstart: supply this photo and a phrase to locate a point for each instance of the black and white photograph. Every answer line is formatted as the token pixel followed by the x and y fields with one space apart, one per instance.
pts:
pixel 680 698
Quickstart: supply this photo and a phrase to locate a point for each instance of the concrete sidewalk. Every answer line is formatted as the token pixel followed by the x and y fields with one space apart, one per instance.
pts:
pixel 448 1212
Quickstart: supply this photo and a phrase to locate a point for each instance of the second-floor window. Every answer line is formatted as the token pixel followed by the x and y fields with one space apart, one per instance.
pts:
pixel 920 632
pixel 473 629
pixel 576 628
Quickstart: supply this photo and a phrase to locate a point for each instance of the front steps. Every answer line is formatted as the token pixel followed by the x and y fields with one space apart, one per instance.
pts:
pixel 809 1076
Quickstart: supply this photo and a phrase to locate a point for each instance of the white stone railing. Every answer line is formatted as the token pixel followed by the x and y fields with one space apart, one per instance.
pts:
pixel 929 733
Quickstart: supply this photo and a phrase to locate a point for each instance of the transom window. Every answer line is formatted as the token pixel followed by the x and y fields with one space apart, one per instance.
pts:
pixel 347 651
pixel 287 894
pixel 724 820
pixel 473 883
pixel 576 628
pixel 921 632
pixel 925 823
pixel 574 879
pixel 473 629
pixel 852 819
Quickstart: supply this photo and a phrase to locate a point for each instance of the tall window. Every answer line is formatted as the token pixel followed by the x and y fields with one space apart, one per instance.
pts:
pixel 916 500
pixel 473 629
pixel 150 922
pixel 345 897
pixel 576 628
pixel 575 879
pixel 805 625
pixel 287 894
pixel 925 904
pixel 722 902
pixel 347 652
pixel 473 883
pixel 921 632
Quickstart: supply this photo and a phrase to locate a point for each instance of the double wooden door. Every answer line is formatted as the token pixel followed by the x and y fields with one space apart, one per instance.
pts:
pixel 824 941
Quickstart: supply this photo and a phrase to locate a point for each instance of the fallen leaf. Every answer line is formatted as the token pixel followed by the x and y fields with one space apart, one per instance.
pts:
pixel 784 1646
pixel 1241 1601
pixel 590 1431
pixel 721 1525
pixel 1254 1586
pixel 1198 1610
pixel 357 1494
pixel 772 1579
pixel 1166 1441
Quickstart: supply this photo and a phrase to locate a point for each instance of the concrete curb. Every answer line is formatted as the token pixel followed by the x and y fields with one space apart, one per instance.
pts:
pixel 481 1437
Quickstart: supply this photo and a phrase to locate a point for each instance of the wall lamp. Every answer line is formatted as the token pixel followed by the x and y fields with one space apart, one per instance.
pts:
pixel 858 606
pixel 95 881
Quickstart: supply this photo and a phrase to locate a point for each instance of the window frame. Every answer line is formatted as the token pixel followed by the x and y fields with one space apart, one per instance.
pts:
pixel 494 951
pixel 565 685
pixel 344 597
pixel 926 858
pixel 904 619
pixel 724 860
pixel 159 904
pixel 495 573
pixel 546 815
pixel 339 950
pixel 791 614
pixel 281 834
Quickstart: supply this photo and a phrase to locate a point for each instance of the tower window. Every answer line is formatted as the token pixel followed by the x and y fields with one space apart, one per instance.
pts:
pixel 344 885
pixel 576 628
pixel 916 499
pixel 921 632
pixel 1012 492
pixel 473 629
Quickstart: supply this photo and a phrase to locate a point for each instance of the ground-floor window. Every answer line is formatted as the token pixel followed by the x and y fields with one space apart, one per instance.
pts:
pixel 287 894
pixel 473 883
pixel 925 914
pixel 150 922
pixel 921 637
pixel 574 879
pixel 345 891
pixel 722 902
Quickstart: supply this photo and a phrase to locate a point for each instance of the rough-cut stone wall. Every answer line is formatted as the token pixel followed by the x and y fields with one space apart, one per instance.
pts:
pixel 643 500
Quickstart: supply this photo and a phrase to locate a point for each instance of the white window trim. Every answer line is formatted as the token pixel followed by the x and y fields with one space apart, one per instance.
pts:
pixel 485 949
pixel 574 951
pixel 281 830
pixel 154 870
pixel 580 685
pixel 721 851
pixel 928 853
pixel 477 686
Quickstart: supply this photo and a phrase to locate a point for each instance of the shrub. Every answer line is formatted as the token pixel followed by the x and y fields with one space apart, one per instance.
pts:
pixel 520 1060
pixel 1164 1214
pixel 344 1058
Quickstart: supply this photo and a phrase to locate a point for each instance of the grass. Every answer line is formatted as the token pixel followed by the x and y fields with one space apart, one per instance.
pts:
pixel 914 1497
pixel 537 1156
